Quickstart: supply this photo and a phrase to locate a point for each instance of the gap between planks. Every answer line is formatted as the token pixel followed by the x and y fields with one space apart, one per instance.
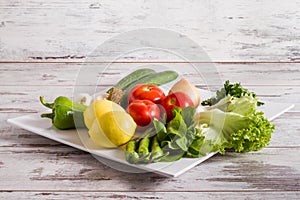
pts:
pixel 151 62
pixel 160 191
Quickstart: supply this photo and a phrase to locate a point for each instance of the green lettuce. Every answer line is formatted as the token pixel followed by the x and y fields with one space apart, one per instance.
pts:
pixel 229 89
pixel 234 123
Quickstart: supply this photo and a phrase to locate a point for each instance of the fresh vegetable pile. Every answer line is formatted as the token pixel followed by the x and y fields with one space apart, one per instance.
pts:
pixel 154 126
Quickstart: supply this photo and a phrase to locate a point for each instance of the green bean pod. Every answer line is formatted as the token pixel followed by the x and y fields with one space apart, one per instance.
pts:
pixel 130 154
pixel 143 149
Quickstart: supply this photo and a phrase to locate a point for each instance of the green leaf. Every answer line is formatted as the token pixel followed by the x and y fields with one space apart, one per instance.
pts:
pixel 188 115
pixel 194 147
pixel 177 125
pixel 169 145
pixel 172 158
pixel 160 130
pixel 183 143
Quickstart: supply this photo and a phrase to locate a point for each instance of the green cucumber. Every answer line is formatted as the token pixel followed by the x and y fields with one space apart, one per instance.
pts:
pixel 157 79
pixel 132 77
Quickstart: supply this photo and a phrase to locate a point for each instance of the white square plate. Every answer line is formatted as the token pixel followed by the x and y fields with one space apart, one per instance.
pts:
pixel 115 158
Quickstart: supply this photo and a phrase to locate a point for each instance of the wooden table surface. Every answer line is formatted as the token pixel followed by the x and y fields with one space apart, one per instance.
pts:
pixel 43 45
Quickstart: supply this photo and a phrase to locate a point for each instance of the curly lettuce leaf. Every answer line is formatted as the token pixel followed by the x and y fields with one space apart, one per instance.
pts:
pixel 229 130
pixel 234 90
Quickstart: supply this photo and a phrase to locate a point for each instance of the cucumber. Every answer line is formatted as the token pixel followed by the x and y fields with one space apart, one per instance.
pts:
pixel 132 77
pixel 157 79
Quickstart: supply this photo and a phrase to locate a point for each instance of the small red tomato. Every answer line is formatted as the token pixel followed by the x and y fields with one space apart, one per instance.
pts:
pixel 143 112
pixel 176 99
pixel 146 91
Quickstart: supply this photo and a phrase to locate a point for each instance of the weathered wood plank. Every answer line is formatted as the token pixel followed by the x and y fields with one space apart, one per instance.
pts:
pixel 107 74
pixel 148 195
pixel 49 169
pixel 34 30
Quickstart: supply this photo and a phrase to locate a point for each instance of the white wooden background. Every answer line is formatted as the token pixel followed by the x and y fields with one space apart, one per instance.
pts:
pixel 43 44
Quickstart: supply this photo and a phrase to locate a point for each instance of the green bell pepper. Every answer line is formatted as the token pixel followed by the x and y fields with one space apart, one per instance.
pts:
pixel 64 111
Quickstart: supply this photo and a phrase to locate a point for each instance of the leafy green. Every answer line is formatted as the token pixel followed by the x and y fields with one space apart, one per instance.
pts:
pixel 180 137
pixel 234 90
pixel 244 105
pixel 238 125
pixel 194 150
pixel 161 129
pixel 177 125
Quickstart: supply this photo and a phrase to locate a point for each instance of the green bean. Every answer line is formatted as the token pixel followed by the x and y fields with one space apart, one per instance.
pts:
pixel 144 147
pixel 156 151
pixel 131 155
pixel 157 154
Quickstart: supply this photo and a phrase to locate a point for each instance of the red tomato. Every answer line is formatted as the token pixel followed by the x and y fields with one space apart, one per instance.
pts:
pixel 176 99
pixel 143 112
pixel 146 91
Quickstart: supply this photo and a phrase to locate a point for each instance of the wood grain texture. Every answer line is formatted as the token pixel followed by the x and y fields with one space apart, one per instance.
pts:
pixel 149 195
pixel 272 82
pixel 45 74
pixel 35 30
pixel 44 46
pixel 64 168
